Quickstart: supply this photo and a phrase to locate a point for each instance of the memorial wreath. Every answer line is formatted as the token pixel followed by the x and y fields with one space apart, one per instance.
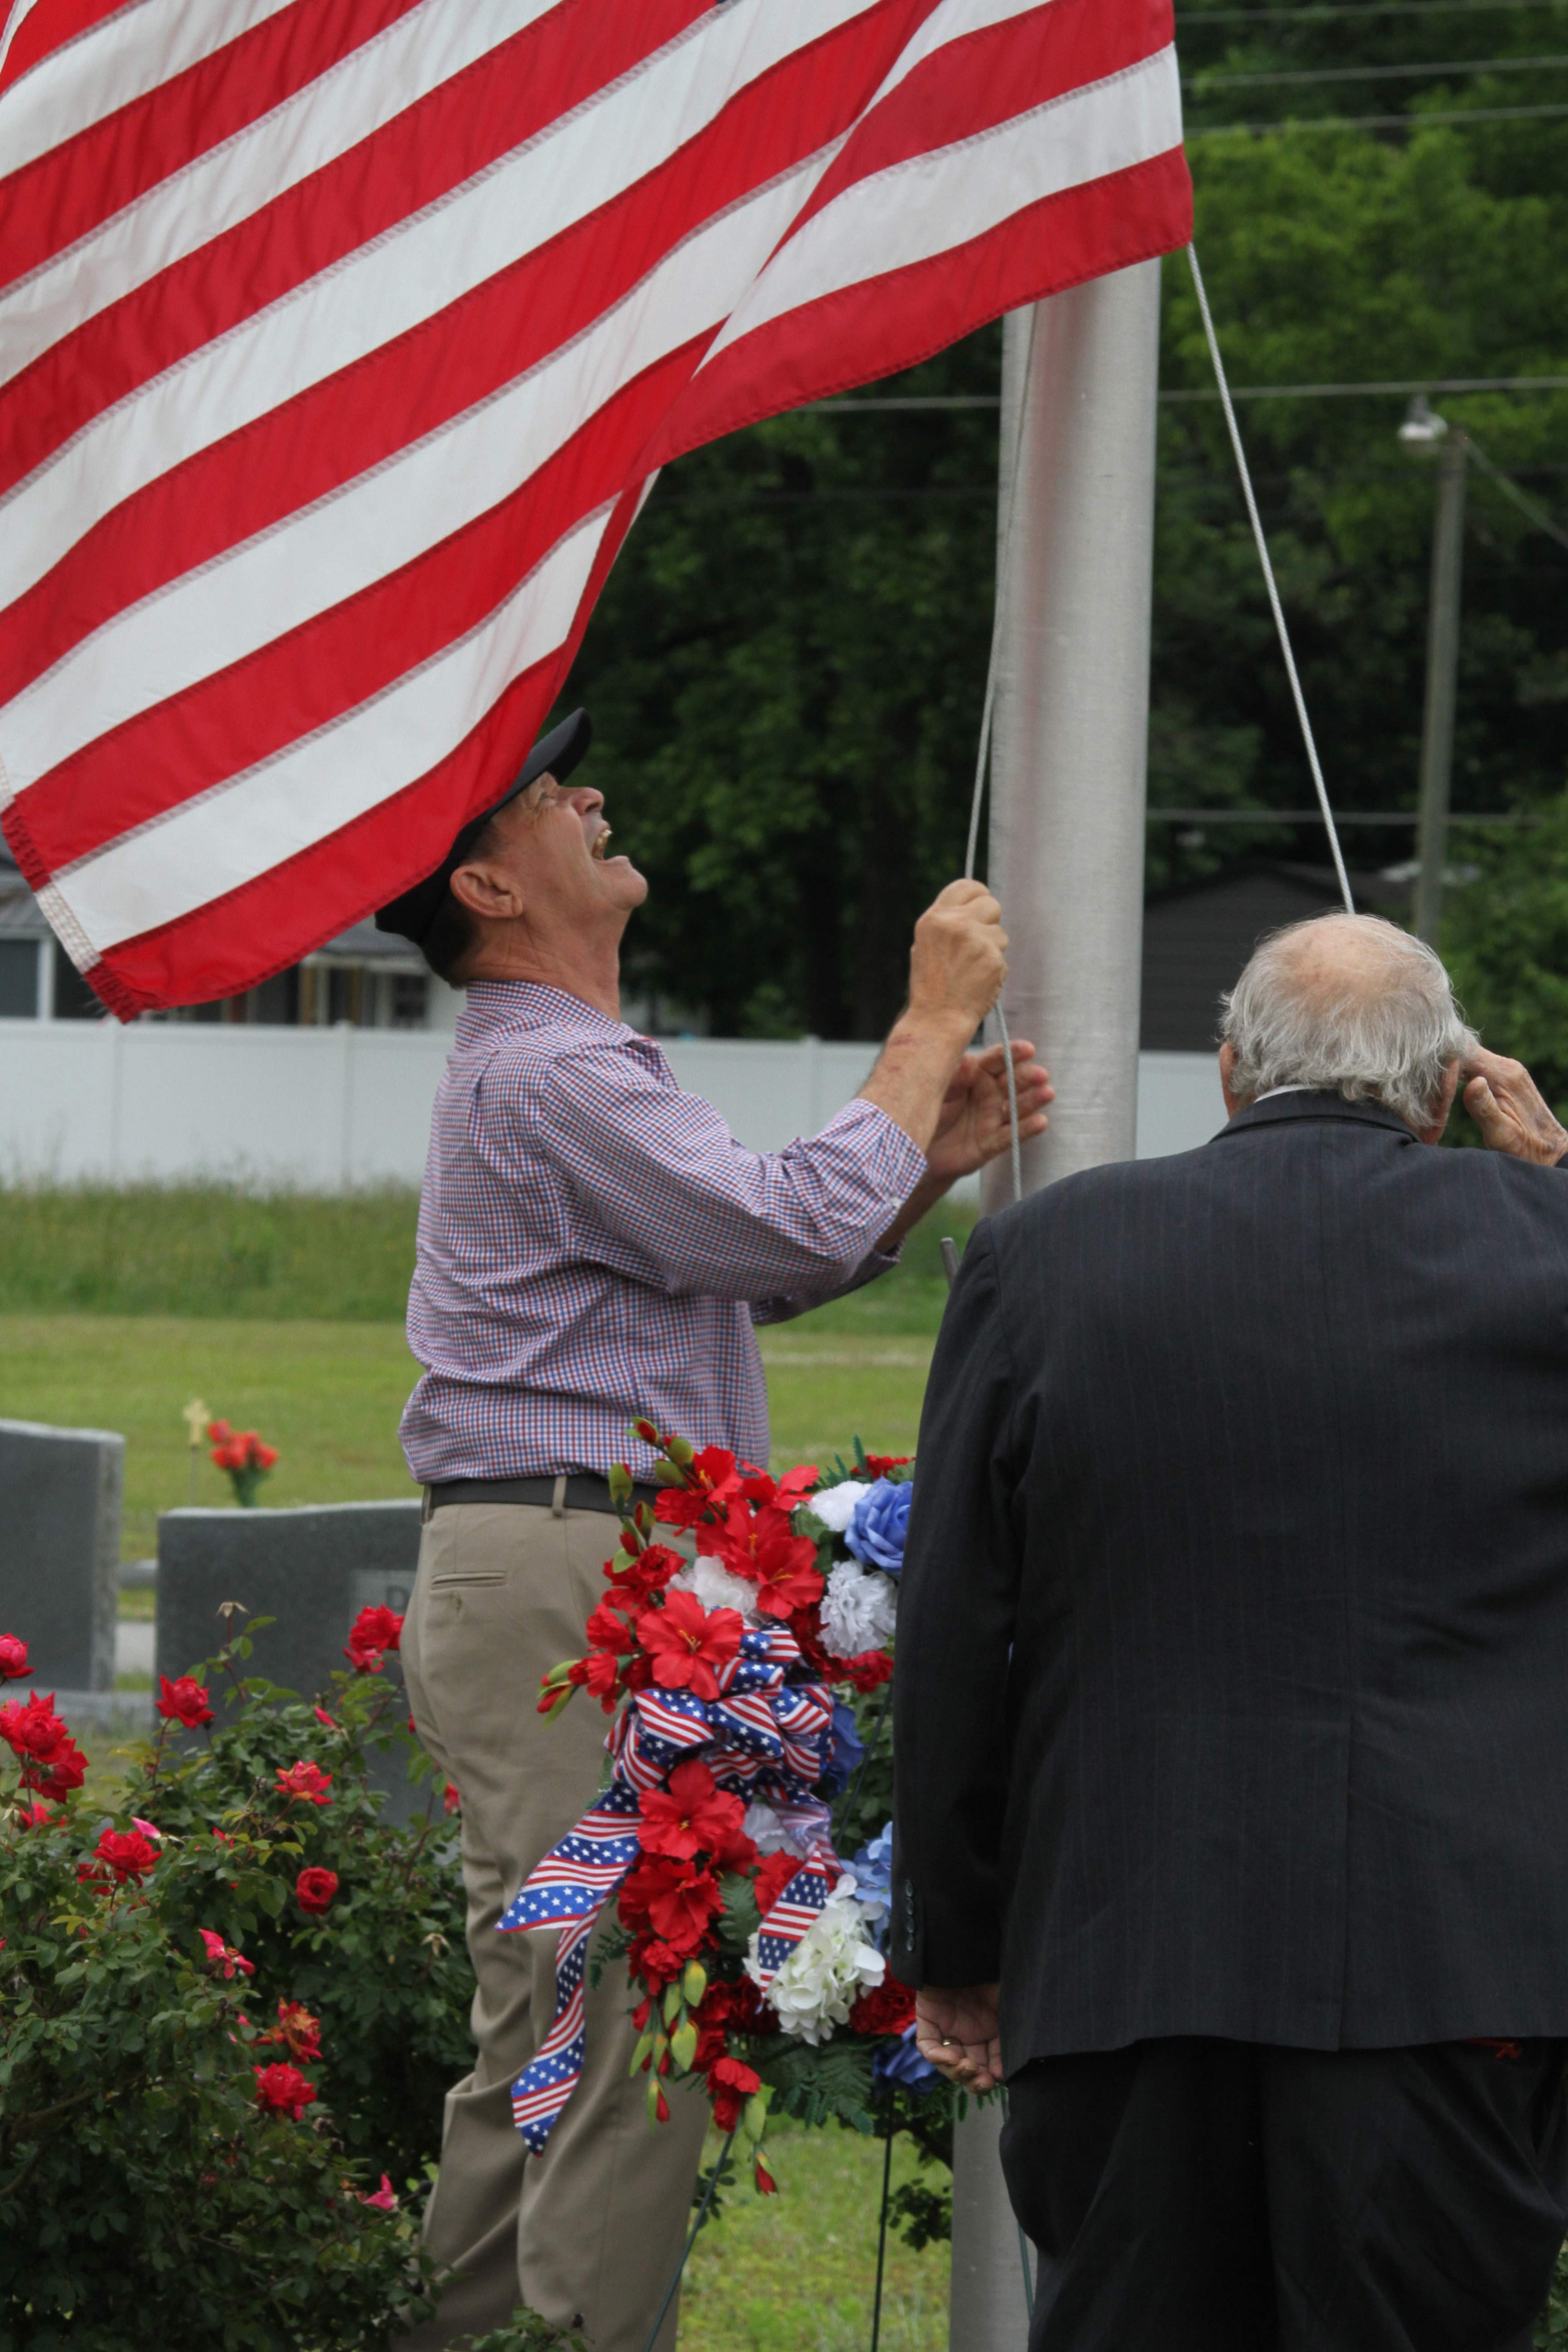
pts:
pixel 741 1646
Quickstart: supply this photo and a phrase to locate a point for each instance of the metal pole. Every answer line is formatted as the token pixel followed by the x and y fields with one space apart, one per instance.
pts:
pixel 1067 774
pixel 1442 667
pixel 1067 861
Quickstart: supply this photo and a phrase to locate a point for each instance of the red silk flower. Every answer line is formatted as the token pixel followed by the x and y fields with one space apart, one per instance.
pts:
pixel 711 1478
pixel 731 2084
pixel 762 1546
pixel 184 1701
pixel 688 1642
pixel 673 1899
pixel 691 1816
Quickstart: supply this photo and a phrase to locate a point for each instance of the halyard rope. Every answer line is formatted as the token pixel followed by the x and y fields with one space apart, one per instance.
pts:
pixel 1004 576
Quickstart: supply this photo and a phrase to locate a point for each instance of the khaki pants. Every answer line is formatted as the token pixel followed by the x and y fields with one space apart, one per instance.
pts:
pixel 587 2234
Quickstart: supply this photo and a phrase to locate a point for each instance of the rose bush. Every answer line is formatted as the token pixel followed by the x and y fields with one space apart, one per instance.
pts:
pixel 217 2097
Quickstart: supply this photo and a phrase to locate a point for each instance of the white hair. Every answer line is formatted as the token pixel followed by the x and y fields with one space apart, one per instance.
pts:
pixel 1350 1005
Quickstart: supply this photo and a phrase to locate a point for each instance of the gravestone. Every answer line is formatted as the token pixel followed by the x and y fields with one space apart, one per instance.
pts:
pixel 60 1504
pixel 311 1570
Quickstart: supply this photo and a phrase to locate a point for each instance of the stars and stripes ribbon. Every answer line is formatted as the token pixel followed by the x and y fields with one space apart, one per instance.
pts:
pixel 763 1737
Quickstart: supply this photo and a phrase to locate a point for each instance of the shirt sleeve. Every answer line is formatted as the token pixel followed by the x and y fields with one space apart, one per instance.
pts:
pixel 680 1204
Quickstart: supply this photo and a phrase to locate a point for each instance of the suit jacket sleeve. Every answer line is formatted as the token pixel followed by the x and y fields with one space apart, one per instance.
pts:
pixel 957 1608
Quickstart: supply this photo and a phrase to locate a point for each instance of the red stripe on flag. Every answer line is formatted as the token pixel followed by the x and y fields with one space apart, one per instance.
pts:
pixel 970 84
pixel 299 683
pixel 353 421
pixel 884 324
pixel 490 108
pixel 49 26
pixel 340 880
pixel 60 196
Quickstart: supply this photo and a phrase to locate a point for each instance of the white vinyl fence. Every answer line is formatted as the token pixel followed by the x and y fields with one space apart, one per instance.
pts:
pixel 329 1110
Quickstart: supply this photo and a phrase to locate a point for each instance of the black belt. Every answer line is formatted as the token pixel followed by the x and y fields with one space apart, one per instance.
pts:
pixel 584 1491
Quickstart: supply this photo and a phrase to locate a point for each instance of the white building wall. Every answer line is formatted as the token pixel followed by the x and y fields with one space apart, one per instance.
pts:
pixel 327 1110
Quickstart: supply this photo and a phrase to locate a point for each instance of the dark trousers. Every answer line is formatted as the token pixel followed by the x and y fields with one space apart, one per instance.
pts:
pixel 1201 2196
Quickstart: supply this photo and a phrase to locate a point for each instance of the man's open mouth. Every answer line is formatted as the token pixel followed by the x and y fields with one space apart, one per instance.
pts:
pixel 601 842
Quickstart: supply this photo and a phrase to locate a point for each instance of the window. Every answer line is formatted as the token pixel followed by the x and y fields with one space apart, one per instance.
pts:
pixel 19 979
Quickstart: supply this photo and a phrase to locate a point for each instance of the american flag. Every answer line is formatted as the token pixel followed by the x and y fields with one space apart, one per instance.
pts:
pixel 342 340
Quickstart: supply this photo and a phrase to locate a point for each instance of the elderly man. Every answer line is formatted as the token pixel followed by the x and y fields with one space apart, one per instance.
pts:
pixel 1233 1694
pixel 594 1245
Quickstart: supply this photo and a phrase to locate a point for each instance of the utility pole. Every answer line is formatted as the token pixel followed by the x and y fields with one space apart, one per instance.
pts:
pixel 1427 433
pixel 1079 379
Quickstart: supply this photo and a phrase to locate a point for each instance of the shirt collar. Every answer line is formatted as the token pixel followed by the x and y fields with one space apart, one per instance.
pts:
pixel 528 1004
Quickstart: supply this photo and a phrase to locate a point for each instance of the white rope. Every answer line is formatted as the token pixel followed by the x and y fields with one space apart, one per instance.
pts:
pixel 1004 575
pixel 1273 591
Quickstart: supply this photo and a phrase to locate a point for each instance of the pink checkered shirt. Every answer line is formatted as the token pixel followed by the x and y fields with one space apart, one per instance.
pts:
pixel 594 1244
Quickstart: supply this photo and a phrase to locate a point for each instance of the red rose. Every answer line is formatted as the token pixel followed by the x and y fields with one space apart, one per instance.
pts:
pixel 298 2032
pixel 328 1723
pixel 13 1658
pixel 66 1769
pixel 223 1959
pixel 127 1852
pixel 886 2008
pixel 306 1781
pixel 315 1888
pixel 693 1816
pixel 184 1701
pixel 385 2198
pixel 34 1816
pixel 673 1899
pixel 34 1730
pixel 375 1632
pixel 451 1798
pixel 283 2090
pixel 687 1642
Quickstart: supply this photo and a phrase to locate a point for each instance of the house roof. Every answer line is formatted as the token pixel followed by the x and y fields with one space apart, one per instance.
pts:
pixel 1196 939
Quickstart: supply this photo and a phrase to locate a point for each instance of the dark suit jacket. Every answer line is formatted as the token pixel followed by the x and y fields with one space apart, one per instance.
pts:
pixel 1233 1644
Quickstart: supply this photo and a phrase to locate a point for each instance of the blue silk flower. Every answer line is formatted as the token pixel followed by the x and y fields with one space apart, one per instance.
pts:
pixel 880 1528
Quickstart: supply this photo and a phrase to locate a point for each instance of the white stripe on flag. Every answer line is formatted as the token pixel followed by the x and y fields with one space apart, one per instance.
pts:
pixel 954 20
pixel 266 585
pixel 410 275
pixel 114 62
pixel 928 204
pixel 244 828
pixel 353 98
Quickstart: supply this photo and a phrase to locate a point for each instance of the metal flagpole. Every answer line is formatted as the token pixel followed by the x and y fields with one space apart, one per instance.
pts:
pixel 1070 739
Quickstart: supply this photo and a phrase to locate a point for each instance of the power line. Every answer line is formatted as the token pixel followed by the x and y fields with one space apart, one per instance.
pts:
pixel 1382 389
pixel 1194 19
pixel 1314 817
pixel 1207 81
pixel 1379 121
pixel 1530 507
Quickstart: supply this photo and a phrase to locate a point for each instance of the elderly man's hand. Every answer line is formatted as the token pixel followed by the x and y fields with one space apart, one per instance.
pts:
pixel 1504 1101
pixel 974 1124
pixel 955 2031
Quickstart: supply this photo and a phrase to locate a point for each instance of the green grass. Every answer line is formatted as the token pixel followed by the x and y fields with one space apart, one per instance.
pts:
pixel 221 1254
pixel 284 1314
pixel 796 2272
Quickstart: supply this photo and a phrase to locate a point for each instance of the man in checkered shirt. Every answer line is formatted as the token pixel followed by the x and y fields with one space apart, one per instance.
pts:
pixel 594 1244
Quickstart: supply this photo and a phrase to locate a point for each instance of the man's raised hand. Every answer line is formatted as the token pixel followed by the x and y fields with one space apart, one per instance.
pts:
pixel 955 2031
pixel 975 1126
pixel 1505 1103
pixel 959 960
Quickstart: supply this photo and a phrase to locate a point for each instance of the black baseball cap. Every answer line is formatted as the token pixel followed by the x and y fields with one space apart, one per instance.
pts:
pixel 557 753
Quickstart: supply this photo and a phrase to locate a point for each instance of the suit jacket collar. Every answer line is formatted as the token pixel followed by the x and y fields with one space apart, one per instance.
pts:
pixel 1279 1108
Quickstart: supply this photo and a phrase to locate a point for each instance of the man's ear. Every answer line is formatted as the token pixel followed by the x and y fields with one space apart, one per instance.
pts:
pixel 1227 1071
pixel 1434 1134
pixel 486 891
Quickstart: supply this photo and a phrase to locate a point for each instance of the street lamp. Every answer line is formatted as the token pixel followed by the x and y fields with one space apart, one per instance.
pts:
pixel 1425 435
